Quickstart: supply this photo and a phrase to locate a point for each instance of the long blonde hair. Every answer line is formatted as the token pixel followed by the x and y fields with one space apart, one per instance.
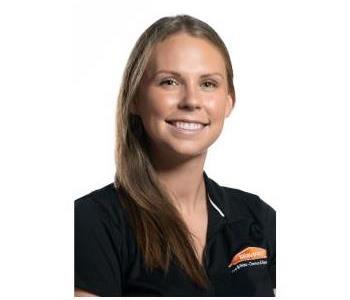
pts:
pixel 160 232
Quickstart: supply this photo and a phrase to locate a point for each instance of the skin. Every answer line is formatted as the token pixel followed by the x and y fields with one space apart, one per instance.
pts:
pixel 176 85
pixel 179 158
pixel 82 293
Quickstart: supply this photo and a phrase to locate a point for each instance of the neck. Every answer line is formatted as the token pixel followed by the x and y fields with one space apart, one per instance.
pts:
pixel 184 181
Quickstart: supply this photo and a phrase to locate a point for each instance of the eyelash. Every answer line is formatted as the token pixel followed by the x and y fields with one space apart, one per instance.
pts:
pixel 166 81
pixel 213 84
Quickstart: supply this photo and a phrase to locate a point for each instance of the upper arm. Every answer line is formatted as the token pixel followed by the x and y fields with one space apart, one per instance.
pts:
pixel 269 223
pixel 97 251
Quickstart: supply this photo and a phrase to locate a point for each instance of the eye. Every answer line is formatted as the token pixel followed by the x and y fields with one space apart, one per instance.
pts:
pixel 169 82
pixel 209 84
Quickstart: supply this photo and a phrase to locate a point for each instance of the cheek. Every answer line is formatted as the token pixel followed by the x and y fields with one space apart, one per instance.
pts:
pixel 158 104
pixel 217 107
pixel 155 108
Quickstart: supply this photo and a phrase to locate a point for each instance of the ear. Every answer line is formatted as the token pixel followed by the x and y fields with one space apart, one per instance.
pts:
pixel 229 105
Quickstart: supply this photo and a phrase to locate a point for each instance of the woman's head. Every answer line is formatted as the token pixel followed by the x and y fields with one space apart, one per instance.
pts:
pixel 179 69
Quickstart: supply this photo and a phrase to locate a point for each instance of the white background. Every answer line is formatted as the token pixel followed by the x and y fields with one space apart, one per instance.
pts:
pixel 287 139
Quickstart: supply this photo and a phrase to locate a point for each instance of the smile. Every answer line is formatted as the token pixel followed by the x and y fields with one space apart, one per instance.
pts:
pixel 187 127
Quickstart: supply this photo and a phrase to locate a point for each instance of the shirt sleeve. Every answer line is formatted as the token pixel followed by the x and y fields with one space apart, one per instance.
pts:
pixel 96 250
pixel 269 221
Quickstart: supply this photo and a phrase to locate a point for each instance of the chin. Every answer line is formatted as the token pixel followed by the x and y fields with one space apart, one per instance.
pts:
pixel 176 148
pixel 187 151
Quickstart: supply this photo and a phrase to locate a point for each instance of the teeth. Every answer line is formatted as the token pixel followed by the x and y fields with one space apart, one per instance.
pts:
pixel 188 126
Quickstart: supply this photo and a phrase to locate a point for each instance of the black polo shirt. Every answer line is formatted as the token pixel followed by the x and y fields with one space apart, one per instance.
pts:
pixel 240 255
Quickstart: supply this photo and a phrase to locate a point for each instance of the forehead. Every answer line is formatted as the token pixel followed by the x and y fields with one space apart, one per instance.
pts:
pixel 186 54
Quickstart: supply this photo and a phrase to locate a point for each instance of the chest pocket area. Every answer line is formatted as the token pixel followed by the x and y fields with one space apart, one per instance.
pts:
pixel 245 278
pixel 246 272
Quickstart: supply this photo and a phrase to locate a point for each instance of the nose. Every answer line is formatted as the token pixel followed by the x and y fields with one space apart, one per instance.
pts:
pixel 190 98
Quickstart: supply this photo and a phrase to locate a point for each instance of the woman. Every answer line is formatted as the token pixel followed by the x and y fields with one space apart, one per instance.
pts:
pixel 164 228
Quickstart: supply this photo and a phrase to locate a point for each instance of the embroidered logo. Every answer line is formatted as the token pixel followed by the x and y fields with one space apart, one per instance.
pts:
pixel 250 256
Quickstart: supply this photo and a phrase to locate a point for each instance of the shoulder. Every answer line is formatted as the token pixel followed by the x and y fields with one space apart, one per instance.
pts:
pixel 100 205
pixel 238 203
pixel 101 196
pixel 249 204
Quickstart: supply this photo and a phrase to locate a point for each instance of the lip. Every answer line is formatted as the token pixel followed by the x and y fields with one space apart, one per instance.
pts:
pixel 186 131
pixel 187 121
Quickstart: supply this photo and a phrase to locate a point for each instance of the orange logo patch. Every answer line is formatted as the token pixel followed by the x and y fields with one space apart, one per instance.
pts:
pixel 249 253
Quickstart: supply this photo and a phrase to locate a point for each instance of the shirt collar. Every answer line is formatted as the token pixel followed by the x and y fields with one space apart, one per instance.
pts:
pixel 218 210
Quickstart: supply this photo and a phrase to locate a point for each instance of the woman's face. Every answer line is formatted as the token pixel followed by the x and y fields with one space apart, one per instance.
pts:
pixel 183 98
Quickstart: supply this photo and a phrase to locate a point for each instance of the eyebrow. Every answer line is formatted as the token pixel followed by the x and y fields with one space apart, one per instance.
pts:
pixel 179 75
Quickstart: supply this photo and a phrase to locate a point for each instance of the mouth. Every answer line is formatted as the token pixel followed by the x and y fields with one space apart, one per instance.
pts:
pixel 190 127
